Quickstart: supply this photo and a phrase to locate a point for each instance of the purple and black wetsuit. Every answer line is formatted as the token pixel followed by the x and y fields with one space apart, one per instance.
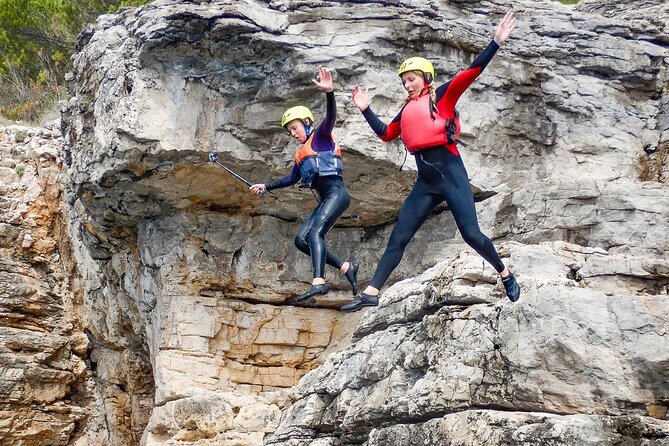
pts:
pixel 310 238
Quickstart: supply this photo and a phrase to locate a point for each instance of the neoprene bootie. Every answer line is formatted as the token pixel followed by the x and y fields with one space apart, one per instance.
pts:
pixel 511 286
pixel 361 300
pixel 314 290
pixel 352 275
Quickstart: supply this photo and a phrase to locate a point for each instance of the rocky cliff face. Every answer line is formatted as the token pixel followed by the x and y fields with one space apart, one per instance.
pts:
pixel 183 282
pixel 443 362
pixel 45 391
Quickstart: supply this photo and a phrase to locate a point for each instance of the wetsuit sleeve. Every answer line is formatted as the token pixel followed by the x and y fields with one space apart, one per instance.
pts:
pixel 447 95
pixel 385 132
pixel 323 136
pixel 290 179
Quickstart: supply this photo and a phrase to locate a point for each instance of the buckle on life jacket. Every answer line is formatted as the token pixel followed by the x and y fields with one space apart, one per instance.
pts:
pixel 451 130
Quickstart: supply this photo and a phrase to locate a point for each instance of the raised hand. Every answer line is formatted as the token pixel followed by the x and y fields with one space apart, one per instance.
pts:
pixel 324 80
pixel 505 27
pixel 360 98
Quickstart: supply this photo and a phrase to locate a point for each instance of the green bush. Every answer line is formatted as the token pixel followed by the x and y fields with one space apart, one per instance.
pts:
pixel 36 41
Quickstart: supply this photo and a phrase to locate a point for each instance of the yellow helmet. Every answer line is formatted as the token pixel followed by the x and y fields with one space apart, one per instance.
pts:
pixel 300 112
pixel 418 64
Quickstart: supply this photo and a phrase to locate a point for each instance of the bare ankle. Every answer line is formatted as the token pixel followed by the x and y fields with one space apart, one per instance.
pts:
pixel 370 290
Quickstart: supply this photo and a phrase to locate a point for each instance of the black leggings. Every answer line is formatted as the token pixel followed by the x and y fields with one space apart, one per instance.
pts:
pixel 441 176
pixel 310 239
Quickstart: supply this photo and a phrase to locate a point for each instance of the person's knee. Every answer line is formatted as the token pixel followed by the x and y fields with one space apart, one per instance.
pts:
pixel 473 237
pixel 315 233
pixel 399 241
pixel 345 203
pixel 301 243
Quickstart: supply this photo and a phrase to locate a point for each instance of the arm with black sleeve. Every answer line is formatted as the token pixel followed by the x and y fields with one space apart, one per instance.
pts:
pixel 290 179
pixel 383 131
pixel 323 136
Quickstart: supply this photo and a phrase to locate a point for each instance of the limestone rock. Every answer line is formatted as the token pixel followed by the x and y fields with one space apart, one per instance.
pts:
pixel 183 282
pixel 564 349
pixel 42 349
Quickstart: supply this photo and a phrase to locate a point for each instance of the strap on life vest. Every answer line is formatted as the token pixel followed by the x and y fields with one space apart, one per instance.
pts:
pixel 307 150
pixel 451 129
pixel 451 126
pixel 310 164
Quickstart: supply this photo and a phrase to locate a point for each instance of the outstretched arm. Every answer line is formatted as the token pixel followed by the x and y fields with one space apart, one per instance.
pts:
pixel 324 82
pixel 290 179
pixel 385 132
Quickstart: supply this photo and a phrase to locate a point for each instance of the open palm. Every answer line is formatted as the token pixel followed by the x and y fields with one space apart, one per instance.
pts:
pixel 505 27
pixel 360 98
pixel 324 81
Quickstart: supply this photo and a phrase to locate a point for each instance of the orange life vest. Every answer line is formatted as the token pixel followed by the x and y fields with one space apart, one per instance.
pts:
pixel 312 163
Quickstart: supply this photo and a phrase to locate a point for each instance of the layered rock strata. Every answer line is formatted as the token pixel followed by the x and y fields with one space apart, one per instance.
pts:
pixel 44 389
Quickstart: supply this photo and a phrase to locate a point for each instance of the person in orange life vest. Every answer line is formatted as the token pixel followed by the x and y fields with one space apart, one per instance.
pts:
pixel 429 127
pixel 318 164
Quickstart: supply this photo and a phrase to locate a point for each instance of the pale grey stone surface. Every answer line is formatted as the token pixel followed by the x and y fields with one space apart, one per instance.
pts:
pixel 565 348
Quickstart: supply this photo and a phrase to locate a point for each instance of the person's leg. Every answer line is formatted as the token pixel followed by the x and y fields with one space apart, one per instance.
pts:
pixel 415 210
pixel 460 200
pixel 302 243
pixel 335 200
pixel 301 236
pixel 418 205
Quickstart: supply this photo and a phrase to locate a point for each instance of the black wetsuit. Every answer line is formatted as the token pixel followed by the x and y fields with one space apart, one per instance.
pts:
pixel 310 239
pixel 441 176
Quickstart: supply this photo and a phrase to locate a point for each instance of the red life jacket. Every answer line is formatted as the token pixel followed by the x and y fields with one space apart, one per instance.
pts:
pixel 312 163
pixel 422 129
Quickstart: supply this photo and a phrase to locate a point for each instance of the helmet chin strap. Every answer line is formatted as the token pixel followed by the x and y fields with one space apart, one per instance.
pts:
pixel 427 77
pixel 307 128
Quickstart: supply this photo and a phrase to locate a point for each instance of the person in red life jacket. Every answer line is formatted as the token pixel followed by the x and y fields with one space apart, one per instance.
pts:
pixel 429 126
pixel 318 164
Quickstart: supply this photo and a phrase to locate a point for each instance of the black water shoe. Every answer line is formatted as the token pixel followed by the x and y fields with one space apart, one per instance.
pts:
pixel 511 287
pixel 361 300
pixel 313 290
pixel 352 275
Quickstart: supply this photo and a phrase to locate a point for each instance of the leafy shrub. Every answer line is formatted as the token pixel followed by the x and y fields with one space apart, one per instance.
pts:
pixel 36 41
